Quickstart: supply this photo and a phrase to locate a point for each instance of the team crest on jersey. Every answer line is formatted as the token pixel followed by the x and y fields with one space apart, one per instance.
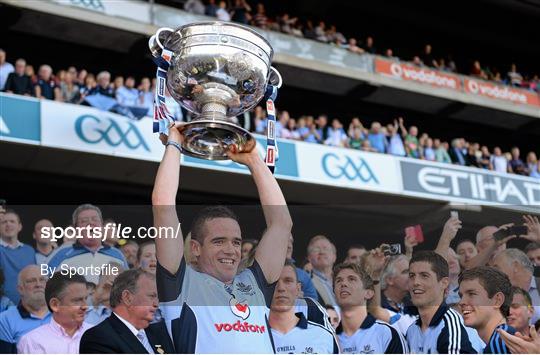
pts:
pixel 239 309
pixel 246 289
pixel 367 350
pixel 308 350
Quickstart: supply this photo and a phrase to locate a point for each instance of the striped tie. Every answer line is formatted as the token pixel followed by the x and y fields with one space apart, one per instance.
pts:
pixel 141 335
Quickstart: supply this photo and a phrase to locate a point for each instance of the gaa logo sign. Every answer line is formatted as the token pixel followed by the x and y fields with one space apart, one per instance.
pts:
pixel 94 130
pixel 96 5
pixel 338 167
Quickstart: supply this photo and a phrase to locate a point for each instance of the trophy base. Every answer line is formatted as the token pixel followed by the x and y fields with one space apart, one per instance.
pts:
pixel 209 139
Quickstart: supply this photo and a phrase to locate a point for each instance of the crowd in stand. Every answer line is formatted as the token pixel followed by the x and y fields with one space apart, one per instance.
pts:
pixel 82 313
pixel 240 11
pixel 396 139
pixel 80 86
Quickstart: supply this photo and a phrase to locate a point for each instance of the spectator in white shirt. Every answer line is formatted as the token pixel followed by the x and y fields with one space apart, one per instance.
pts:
pixel 146 96
pixel 127 95
pixel 498 161
pixel 5 69
pixel 222 13
pixel 336 135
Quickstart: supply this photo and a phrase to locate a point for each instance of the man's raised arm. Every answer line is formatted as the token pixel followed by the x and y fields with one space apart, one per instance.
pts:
pixel 272 249
pixel 169 250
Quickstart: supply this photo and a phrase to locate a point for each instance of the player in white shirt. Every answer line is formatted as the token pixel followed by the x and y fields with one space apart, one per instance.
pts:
pixel 359 331
pixel 292 332
pixel 213 309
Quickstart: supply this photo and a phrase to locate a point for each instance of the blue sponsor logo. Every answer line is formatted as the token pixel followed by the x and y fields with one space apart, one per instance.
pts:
pixel 19 119
pixel 94 130
pixel 286 165
pixel 352 169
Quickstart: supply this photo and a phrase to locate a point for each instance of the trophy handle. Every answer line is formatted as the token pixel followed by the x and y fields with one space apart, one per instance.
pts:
pixel 155 43
pixel 276 76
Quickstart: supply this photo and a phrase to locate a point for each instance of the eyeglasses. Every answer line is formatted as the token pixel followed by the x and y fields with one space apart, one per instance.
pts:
pixel 35 280
pixel 316 250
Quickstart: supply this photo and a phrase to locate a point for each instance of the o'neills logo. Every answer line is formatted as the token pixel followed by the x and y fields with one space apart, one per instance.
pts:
pixel 425 76
pixel 240 327
pixel 498 92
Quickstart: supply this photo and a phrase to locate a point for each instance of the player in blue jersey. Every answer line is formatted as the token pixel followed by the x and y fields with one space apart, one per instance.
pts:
pixel 485 302
pixel 359 331
pixel 212 309
pixel 292 331
pixel 438 329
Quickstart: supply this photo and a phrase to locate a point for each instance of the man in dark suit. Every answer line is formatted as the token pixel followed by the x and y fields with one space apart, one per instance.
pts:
pixel 128 330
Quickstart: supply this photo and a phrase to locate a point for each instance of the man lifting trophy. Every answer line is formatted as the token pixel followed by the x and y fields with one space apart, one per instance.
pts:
pixel 217 71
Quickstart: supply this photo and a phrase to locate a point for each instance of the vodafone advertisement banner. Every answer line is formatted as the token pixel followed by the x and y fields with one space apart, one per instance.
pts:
pixel 507 93
pixel 410 72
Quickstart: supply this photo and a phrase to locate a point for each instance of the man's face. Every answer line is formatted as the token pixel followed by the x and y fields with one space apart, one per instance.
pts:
pixel 424 287
pixel 130 83
pixel 534 256
pixel 349 289
pixel 104 81
pixel 148 260
pixel 10 225
pixel 220 252
pixel 32 288
pixel 130 252
pixel 290 248
pixel 90 218
pixel 321 254
pixel 287 290
pixel 400 279
pixel 20 67
pixel 38 228
pixel 2 57
pixel 485 239
pixel 45 73
pixel 466 252
pixel 144 302
pixel 520 313
pixel 354 255
pixel 502 263
pixel 476 307
pixel 70 308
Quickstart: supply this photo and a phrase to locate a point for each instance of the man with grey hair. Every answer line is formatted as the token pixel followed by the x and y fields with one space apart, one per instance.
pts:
pixel 394 287
pixel 519 269
pixel 103 86
pixel 18 82
pixel 45 88
pixel 30 313
pixel 88 250
pixel 134 302
pixel 321 254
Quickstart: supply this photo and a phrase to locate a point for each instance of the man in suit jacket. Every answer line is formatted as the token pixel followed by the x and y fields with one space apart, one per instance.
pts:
pixel 128 330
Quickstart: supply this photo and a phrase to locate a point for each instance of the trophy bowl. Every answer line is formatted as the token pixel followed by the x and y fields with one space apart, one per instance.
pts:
pixel 217 71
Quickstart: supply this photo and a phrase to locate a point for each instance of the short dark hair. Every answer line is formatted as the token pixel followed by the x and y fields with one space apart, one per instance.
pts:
pixel 531 246
pixel 493 281
pixel 58 283
pixel 11 211
pixel 466 240
pixel 519 291
pixel 289 263
pixel 207 214
pixel 356 246
pixel 127 280
pixel 438 264
pixel 366 279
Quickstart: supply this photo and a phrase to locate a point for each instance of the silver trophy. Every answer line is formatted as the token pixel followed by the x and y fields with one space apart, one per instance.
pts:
pixel 217 71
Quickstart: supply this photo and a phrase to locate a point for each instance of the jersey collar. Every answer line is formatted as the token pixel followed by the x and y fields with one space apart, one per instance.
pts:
pixel 437 317
pixel 302 321
pixel 367 323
